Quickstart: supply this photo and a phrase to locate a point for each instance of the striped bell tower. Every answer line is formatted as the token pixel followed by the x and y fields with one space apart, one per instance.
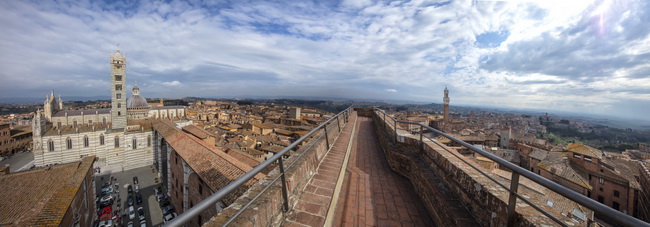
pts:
pixel 118 90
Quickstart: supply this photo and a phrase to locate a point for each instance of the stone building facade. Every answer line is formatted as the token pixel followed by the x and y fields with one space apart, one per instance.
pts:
pixel 120 137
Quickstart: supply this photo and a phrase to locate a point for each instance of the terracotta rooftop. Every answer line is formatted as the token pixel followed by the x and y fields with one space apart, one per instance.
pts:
pixel 197 131
pixel 41 197
pixel 215 167
pixel 558 164
pixel 585 150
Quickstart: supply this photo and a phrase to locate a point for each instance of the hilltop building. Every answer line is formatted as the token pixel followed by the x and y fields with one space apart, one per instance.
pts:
pixel 120 136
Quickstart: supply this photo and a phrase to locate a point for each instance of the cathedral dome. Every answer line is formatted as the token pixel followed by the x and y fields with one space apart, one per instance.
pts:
pixel 136 101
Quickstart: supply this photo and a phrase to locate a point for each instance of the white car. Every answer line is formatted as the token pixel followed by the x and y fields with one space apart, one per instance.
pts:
pixel 106 223
pixel 141 214
pixel 143 223
pixel 137 188
pixel 131 212
pixel 130 224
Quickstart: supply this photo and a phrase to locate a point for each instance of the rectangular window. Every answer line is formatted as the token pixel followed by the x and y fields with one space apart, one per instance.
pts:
pixel 118 77
pixel 200 189
pixel 601 180
pixel 576 155
pixel 587 158
pixel 118 87
pixel 118 96
pixel 617 193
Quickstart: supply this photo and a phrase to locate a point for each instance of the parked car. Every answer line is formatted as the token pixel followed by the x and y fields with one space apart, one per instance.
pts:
pixel 169 217
pixel 138 199
pixel 106 201
pixel 129 189
pixel 130 200
pixel 143 223
pixel 130 224
pixel 141 213
pixel 107 190
pixel 161 197
pixel 105 210
pixel 135 181
pixel 168 209
pixel 163 203
pixel 137 188
pixel 131 212
pixel 106 223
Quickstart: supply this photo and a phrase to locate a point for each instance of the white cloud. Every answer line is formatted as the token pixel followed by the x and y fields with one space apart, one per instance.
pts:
pixel 172 83
pixel 322 48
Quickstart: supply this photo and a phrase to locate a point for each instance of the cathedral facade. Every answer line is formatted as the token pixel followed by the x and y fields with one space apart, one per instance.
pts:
pixel 120 136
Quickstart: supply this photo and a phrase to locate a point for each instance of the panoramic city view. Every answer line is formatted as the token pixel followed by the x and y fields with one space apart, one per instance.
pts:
pixel 325 113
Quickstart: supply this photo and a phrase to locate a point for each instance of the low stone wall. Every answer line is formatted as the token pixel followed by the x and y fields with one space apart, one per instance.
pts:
pixel 267 210
pixel 454 193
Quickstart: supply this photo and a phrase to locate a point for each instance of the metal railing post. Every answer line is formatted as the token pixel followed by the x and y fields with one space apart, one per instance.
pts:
pixel 421 141
pixel 395 127
pixel 338 123
pixel 285 196
pixel 327 138
pixel 512 203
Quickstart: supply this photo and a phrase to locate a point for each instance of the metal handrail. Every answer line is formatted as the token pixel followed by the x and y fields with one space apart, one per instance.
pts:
pixel 517 170
pixel 209 202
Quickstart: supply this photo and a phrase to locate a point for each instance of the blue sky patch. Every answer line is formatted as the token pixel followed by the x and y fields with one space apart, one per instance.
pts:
pixel 491 39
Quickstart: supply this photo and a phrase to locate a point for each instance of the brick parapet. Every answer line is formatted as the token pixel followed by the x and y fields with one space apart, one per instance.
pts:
pixel 267 209
pixel 435 172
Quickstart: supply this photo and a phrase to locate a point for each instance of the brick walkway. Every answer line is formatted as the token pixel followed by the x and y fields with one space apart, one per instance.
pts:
pixel 373 195
pixel 313 204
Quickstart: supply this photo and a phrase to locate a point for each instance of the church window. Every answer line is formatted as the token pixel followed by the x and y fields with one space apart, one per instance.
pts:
pixel 119 105
pixel 50 145
pixel 117 141
pixel 58 124
pixel 148 141
pixel 86 143
pixel 118 77
pixel 103 122
pixel 118 96
pixel 68 143
pixel 118 87
pixel 74 122
pixel 135 143
pixel 101 139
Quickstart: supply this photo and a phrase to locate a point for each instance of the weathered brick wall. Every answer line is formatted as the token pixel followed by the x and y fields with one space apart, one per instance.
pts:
pixel 267 210
pixel 436 175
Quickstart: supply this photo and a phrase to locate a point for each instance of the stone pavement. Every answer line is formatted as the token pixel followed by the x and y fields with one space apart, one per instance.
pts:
pixel 373 195
pixel 313 204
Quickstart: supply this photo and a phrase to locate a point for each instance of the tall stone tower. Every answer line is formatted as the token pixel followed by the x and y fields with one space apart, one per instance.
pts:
pixel 118 90
pixel 445 100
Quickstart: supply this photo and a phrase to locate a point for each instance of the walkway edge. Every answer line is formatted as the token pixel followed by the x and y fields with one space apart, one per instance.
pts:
pixel 331 212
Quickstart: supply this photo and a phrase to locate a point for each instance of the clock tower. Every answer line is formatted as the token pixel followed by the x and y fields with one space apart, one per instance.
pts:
pixel 445 100
pixel 118 90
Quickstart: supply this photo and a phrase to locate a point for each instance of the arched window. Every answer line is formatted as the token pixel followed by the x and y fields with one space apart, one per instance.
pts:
pixel 50 145
pixel 68 143
pixel 101 138
pixel 119 113
pixel 74 122
pixel 104 121
pixel 86 141
pixel 119 105
pixel 148 141
pixel 117 141
pixel 135 143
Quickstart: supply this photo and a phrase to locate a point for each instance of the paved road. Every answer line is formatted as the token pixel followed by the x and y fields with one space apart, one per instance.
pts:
pixel 146 177
pixel 22 161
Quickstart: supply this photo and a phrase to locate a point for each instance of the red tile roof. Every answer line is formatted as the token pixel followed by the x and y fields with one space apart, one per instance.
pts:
pixel 213 166
pixel 41 197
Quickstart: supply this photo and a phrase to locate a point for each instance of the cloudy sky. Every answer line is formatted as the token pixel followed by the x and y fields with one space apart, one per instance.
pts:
pixel 576 56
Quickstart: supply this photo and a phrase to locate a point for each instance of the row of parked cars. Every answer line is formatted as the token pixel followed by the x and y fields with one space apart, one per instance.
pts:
pixel 166 207
pixel 134 192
